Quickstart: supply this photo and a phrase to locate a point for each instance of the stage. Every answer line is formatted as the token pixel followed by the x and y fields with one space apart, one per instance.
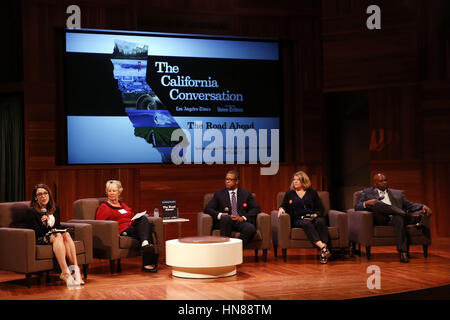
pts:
pixel 302 277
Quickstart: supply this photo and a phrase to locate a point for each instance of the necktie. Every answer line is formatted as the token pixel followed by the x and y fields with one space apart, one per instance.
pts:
pixel 233 204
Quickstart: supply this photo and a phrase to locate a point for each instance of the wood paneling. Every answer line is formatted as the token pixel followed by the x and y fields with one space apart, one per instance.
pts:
pixel 394 124
pixel 356 58
pixel 404 66
pixel 296 24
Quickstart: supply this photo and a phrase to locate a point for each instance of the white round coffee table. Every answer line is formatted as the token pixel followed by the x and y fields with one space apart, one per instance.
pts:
pixel 204 257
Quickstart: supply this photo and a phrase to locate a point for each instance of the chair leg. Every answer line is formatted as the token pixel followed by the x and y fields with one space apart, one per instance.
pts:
pixel 264 255
pixel 352 248
pixel 85 270
pixel 47 276
pixel 284 252
pixel 368 255
pixel 28 279
pixel 119 267
pixel 256 255
pixel 425 250
pixel 111 266
pixel 275 250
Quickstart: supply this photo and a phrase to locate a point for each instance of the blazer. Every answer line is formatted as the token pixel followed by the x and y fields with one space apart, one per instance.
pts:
pixel 33 221
pixel 397 197
pixel 315 205
pixel 246 204
pixel 108 212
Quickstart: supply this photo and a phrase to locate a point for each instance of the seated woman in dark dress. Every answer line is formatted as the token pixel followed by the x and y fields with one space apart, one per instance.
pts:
pixel 43 217
pixel 306 210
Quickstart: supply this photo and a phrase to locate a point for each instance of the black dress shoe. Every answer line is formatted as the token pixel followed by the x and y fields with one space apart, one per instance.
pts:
pixel 148 269
pixel 404 257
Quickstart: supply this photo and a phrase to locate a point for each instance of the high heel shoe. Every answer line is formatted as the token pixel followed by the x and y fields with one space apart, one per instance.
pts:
pixel 67 278
pixel 324 255
pixel 77 278
pixel 150 262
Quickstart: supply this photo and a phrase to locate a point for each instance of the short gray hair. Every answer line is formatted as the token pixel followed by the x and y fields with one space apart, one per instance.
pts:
pixel 116 183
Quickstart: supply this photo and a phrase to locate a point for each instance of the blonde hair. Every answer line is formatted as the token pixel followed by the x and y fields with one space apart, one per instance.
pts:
pixel 304 179
pixel 116 183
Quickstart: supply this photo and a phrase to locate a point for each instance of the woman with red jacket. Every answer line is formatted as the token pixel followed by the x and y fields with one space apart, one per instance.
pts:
pixel 140 229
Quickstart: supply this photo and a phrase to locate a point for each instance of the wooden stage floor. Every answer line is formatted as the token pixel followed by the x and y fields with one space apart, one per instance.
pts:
pixel 302 277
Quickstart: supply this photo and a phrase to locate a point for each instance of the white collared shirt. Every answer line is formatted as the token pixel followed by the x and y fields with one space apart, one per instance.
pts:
pixel 229 212
pixel 385 196
pixel 51 221
pixel 230 193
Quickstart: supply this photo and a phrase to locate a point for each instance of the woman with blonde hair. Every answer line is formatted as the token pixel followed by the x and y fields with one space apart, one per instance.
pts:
pixel 306 210
pixel 140 229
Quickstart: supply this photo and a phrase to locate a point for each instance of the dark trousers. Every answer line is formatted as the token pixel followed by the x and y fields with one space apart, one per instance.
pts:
pixel 316 230
pixel 141 229
pixel 384 214
pixel 246 229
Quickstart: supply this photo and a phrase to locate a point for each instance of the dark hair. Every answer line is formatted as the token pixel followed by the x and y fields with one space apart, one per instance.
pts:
pixel 235 173
pixel 35 204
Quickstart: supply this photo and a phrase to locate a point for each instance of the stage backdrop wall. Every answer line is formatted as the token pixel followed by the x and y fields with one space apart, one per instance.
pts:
pixel 404 66
pixel 295 24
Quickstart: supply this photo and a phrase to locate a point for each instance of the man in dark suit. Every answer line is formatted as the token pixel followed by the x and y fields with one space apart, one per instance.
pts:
pixel 390 207
pixel 234 209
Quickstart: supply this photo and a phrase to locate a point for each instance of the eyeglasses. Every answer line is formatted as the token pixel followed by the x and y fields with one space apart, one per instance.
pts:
pixel 42 194
pixel 229 179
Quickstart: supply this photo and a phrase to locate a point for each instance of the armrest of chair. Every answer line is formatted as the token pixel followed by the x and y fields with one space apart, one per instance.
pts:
pixel 159 229
pixel 105 238
pixel 263 225
pixel 204 224
pixel 339 220
pixel 17 249
pixel 424 223
pixel 82 232
pixel 281 229
pixel 360 226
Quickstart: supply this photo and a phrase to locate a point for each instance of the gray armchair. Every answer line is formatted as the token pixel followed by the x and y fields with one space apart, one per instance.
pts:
pixel 363 232
pixel 19 252
pixel 285 237
pixel 261 241
pixel 107 243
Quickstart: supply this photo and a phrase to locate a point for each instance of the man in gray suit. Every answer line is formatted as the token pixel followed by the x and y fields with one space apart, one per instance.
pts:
pixel 390 207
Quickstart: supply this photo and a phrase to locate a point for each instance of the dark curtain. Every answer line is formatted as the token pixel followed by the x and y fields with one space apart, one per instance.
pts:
pixel 12 150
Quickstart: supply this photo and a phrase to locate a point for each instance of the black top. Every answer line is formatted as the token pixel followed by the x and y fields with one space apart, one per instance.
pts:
pixel 33 220
pixel 298 207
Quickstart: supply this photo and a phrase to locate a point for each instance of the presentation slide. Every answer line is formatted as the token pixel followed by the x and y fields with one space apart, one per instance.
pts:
pixel 136 97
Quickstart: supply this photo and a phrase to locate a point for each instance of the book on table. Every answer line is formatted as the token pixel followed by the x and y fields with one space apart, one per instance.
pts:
pixel 169 209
